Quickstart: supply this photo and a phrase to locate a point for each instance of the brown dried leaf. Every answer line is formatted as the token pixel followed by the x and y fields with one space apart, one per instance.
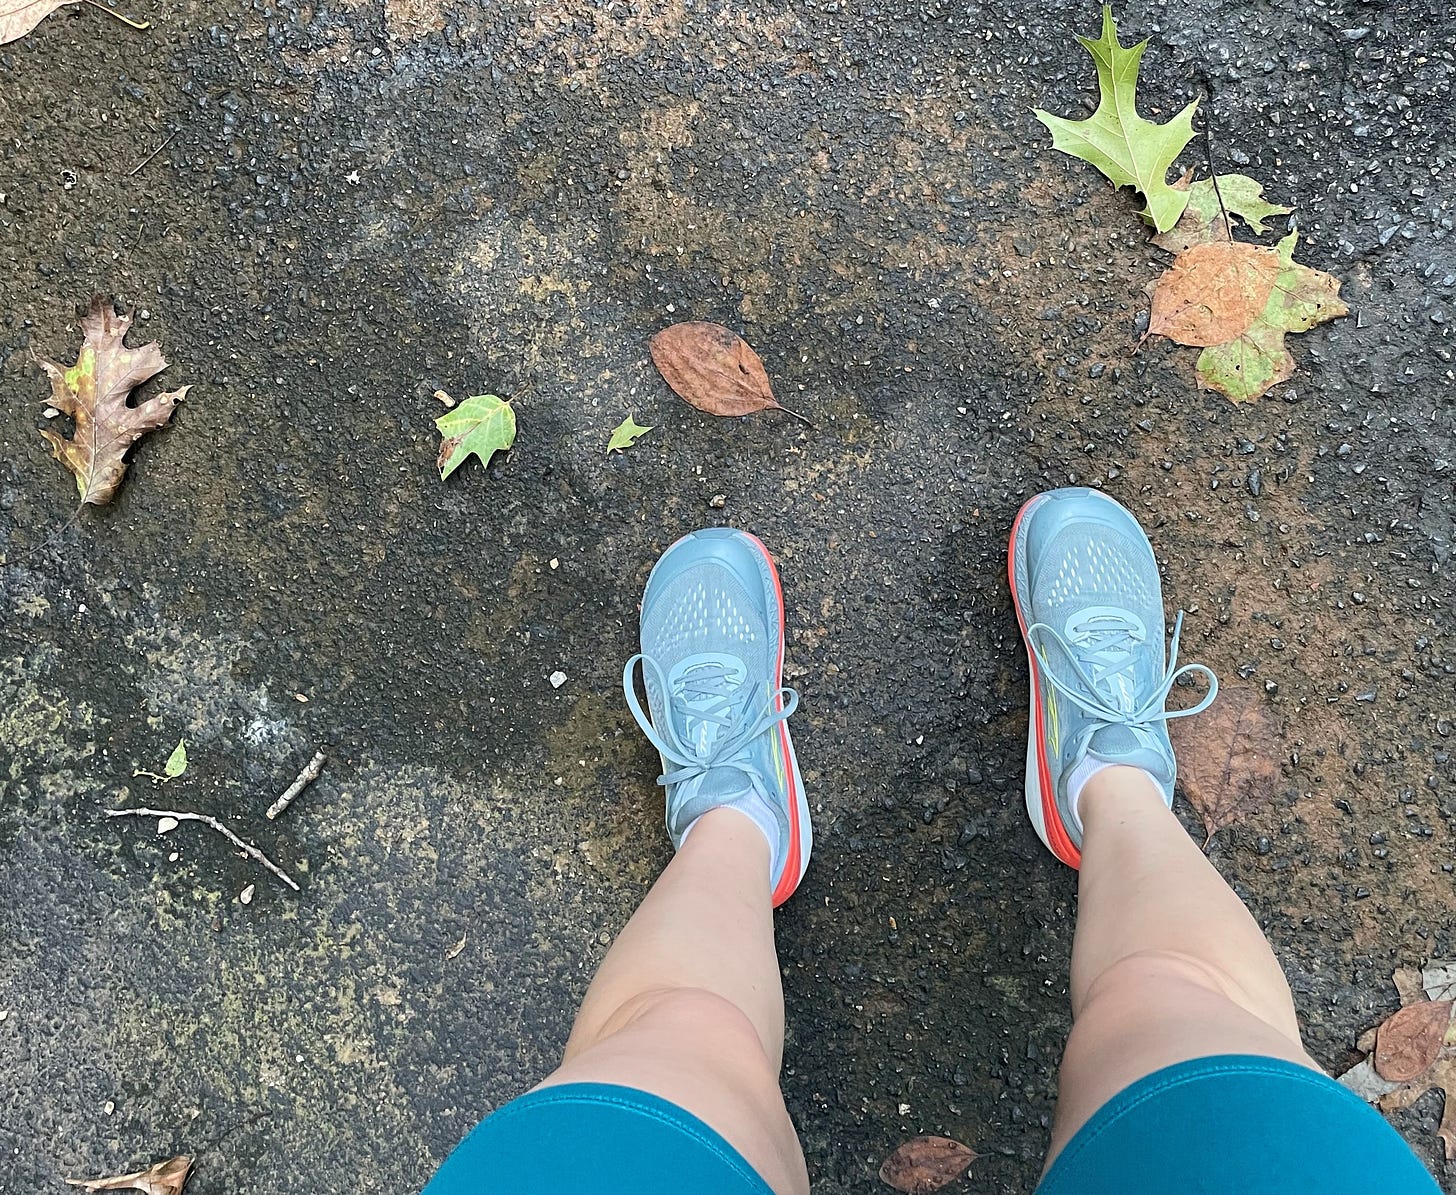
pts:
pixel 165 1178
pixel 1229 758
pixel 714 369
pixel 1410 1041
pixel 1213 293
pixel 19 17
pixel 1443 1075
pixel 95 393
pixel 925 1164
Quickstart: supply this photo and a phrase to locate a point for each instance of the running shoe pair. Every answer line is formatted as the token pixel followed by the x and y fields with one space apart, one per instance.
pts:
pixel 1089 600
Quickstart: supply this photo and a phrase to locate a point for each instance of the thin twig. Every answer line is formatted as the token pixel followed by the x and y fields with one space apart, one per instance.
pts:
pixel 1228 225
pixel 153 154
pixel 111 12
pixel 183 816
pixel 305 778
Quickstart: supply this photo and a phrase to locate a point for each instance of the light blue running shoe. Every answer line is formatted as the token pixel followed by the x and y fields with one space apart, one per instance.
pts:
pixel 1090 603
pixel 712 664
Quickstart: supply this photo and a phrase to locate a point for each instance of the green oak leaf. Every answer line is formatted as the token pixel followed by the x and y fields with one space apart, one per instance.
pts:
pixel 1129 150
pixel 1202 221
pixel 176 762
pixel 625 434
pixel 481 426
pixel 1247 366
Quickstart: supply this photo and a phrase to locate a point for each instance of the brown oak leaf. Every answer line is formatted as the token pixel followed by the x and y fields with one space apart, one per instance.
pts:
pixel 19 17
pixel 925 1164
pixel 165 1178
pixel 714 369
pixel 1228 758
pixel 1213 293
pixel 96 393
pixel 1411 1040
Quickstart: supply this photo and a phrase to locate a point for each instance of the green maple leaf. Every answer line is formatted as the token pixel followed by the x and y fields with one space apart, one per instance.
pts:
pixel 1129 150
pixel 625 434
pixel 1247 366
pixel 481 426
pixel 1202 221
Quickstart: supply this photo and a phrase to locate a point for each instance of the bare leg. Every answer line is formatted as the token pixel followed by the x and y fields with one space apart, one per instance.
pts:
pixel 688 1003
pixel 1167 964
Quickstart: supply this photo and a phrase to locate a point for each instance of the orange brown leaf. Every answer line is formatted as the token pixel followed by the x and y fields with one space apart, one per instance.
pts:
pixel 714 369
pixel 96 393
pixel 1213 292
pixel 1411 1040
pixel 1229 758
pixel 925 1164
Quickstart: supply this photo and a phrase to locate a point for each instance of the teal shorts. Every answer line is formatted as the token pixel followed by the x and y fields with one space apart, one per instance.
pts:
pixel 1230 1125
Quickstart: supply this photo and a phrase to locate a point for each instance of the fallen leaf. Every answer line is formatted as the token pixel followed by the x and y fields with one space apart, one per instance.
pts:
pixel 95 393
pixel 176 762
pixel 625 434
pixel 1203 220
pixel 1213 292
pixel 1229 758
pixel 925 1164
pixel 457 948
pixel 165 1178
pixel 1129 150
pixel 1443 1075
pixel 714 370
pixel 1408 1042
pixel 481 425
pixel 1407 982
pixel 19 17
pixel 1420 1038
pixel 1247 366
pixel 1438 980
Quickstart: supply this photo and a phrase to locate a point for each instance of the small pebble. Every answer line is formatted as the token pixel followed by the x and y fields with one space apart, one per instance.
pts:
pixel 718 501
pixel 558 678
pixel 166 823
pixel 246 895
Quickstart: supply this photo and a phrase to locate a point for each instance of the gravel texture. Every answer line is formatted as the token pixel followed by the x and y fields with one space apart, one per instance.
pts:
pixel 360 205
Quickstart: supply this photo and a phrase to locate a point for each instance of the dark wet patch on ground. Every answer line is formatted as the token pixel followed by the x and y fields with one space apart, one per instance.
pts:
pixel 363 204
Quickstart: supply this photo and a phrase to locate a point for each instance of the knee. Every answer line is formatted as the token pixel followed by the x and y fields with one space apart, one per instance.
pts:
pixel 717 1027
pixel 1154 980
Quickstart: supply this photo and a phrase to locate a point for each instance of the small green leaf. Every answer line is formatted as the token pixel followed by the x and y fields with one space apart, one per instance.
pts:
pixel 1202 221
pixel 481 426
pixel 625 434
pixel 177 761
pixel 1129 150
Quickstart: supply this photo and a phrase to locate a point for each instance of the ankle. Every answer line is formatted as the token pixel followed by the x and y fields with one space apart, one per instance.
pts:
pixel 1117 788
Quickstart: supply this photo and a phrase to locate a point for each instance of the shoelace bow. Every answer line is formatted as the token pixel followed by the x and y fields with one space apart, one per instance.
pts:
pixel 734 712
pixel 1111 637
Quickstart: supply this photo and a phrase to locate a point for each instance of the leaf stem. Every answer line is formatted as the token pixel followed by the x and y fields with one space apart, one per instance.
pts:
pixel 801 418
pixel 1228 227
pixel 111 12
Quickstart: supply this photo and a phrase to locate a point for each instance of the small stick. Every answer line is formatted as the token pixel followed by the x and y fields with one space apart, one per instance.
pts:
pixel 183 816
pixel 1228 225
pixel 111 12
pixel 153 154
pixel 304 779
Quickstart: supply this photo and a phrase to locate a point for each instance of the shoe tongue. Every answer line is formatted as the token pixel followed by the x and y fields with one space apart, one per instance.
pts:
pixel 723 784
pixel 1132 748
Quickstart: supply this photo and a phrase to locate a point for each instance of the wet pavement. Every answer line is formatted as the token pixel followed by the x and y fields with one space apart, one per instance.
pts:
pixel 358 206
